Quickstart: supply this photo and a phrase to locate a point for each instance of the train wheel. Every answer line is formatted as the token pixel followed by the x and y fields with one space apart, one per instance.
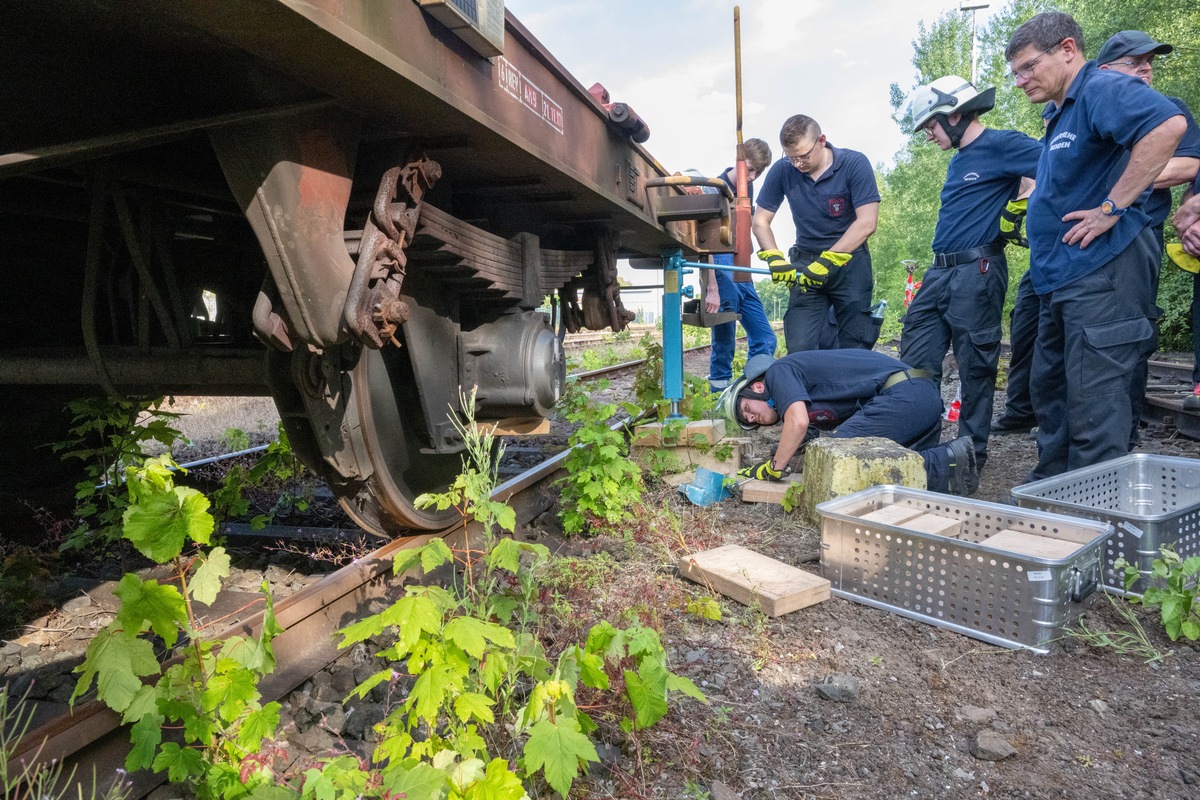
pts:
pixel 367 437
pixel 392 431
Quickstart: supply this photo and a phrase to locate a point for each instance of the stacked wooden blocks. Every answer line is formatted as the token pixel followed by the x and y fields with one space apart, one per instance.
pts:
pixel 700 443
pixel 703 443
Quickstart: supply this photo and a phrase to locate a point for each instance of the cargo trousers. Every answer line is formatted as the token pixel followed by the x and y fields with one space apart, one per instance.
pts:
pixel 1091 334
pixel 847 292
pixel 959 308
pixel 910 414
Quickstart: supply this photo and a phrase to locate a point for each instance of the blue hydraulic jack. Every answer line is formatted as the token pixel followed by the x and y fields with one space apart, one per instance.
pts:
pixel 674 268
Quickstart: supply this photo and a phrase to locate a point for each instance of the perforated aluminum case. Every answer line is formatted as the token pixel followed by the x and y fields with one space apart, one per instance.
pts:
pixel 1150 501
pixel 961 583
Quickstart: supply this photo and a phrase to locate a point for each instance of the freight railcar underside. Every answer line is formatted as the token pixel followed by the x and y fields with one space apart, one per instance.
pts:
pixel 350 184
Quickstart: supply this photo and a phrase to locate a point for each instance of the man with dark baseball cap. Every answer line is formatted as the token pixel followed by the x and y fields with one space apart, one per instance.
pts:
pixel 1130 43
pixel 1132 53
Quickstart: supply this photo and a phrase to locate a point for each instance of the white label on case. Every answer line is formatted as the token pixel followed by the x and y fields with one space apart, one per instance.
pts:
pixel 1038 575
pixel 1134 529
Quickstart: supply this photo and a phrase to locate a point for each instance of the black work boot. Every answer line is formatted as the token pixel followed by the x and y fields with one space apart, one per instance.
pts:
pixel 964 476
pixel 1005 424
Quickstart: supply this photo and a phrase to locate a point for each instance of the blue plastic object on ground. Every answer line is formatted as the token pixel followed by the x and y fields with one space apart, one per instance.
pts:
pixel 706 488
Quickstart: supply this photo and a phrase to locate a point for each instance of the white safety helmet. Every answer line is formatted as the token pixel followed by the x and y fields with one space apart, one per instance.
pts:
pixel 948 95
pixel 727 403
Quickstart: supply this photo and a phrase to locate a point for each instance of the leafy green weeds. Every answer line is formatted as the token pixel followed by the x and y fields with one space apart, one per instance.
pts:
pixel 108 435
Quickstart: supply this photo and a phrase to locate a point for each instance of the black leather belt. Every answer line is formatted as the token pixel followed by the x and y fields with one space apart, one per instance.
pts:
pixel 967 256
pixel 905 375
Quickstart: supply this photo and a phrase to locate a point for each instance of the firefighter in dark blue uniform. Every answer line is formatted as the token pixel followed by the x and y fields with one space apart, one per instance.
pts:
pixel 849 393
pixel 1132 53
pixel 1187 255
pixel 835 206
pixel 1092 254
pixel 983 201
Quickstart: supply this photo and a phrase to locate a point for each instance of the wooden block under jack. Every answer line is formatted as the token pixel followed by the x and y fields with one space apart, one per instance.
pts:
pixel 689 458
pixel 932 523
pixel 515 426
pixel 749 577
pixel 696 432
pixel 755 491
pixel 892 515
pixel 1029 544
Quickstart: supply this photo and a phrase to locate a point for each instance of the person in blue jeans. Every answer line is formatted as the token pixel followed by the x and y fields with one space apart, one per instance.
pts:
pixel 724 293
pixel 848 393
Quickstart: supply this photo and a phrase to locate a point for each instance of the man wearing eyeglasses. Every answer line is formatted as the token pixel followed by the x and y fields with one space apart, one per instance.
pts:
pixel 962 295
pixel 1092 255
pixel 835 207
pixel 1132 53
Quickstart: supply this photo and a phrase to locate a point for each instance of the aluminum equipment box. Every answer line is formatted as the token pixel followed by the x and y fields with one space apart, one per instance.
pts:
pixel 873 552
pixel 1150 501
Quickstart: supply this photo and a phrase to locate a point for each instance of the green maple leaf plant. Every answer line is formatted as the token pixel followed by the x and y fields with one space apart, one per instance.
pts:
pixel 210 691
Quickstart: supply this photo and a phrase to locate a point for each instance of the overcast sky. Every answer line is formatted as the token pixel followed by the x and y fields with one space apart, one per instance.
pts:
pixel 673 62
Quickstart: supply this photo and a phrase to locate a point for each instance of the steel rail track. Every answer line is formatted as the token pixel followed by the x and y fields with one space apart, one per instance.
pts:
pixel 91 741
pixel 1170 382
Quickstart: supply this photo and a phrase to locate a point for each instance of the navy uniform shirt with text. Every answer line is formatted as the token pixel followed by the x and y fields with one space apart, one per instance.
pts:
pixel 837 381
pixel 1158 205
pixel 822 210
pixel 982 177
pixel 1087 141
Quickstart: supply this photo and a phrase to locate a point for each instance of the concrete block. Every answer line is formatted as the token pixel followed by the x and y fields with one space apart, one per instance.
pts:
pixel 838 467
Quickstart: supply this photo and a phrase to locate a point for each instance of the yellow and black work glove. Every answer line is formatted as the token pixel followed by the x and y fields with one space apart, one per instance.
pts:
pixel 763 471
pixel 815 274
pixel 1010 222
pixel 1184 260
pixel 782 270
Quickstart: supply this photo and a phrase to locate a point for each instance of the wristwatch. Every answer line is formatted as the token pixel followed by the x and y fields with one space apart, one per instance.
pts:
pixel 1109 209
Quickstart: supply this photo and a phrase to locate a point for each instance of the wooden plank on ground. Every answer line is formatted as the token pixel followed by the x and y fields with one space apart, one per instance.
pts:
pixel 1028 544
pixel 752 578
pixel 895 514
pixel 754 491
pixel 932 523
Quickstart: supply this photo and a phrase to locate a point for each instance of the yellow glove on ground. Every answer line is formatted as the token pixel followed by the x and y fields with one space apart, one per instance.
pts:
pixel 782 270
pixel 815 274
pixel 1183 259
pixel 762 471
pixel 1010 221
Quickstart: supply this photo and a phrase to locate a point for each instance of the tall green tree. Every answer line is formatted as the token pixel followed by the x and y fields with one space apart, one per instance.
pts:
pixel 910 190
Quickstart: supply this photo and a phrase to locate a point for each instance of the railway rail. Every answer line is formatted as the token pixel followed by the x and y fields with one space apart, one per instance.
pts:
pixel 1169 383
pixel 91 739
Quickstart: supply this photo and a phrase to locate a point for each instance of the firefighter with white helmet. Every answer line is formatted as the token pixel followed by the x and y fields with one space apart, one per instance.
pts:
pixel 848 393
pixel 982 205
